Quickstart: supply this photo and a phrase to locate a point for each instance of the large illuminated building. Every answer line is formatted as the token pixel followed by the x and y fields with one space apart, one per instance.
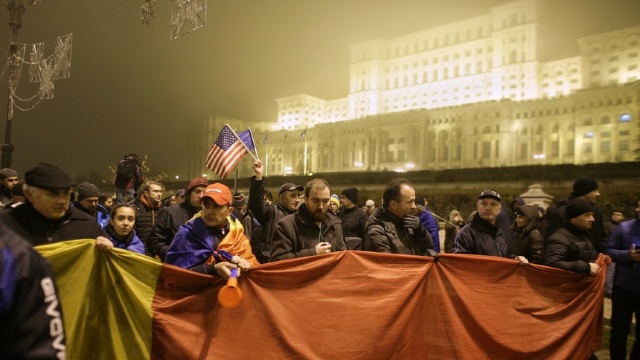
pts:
pixel 475 93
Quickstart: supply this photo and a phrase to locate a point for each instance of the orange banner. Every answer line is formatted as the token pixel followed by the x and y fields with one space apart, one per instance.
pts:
pixel 363 305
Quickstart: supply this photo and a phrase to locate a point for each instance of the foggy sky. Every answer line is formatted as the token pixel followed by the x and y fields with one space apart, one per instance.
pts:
pixel 131 87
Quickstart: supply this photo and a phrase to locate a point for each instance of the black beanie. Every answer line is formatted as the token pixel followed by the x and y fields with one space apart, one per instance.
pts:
pixel 87 190
pixel 584 185
pixel 351 194
pixel 238 201
pixel 577 207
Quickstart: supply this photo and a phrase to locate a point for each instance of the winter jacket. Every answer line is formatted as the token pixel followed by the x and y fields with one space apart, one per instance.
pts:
pixel 618 247
pixel 102 215
pixel 354 224
pixel 166 227
pixel 528 241
pixel 146 216
pixel 569 248
pixel 482 238
pixel 131 242
pixel 74 225
pixel 31 324
pixel 267 215
pixel 386 234
pixel 430 223
pixel 297 235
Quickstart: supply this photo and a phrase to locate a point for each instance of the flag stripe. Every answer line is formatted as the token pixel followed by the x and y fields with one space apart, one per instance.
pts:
pixel 228 150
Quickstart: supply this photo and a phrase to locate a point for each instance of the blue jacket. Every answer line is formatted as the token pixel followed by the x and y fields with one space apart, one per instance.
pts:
pixel 135 245
pixel 430 223
pixel 618 247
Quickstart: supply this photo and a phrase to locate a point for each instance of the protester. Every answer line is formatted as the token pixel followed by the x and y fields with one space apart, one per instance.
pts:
pixel 8 179
pixel 214 241
pixel 169 220
pixel 31 323
pixel 334 204
pixel 180 196
pixel 370 207
pixel 267 214
pixel 17 194
pixel 313 230
pixel 87 199
pixel 528 241
pixel 569 247
pixel 610 226
pixel 46 216
pixel 451 230
pixel 429 221
pixel 128 177
pixel 482 235
pixel 120 229
pixel 624 248
pixel 584 188
pixel 148 208
pixel 103 209
pixel 393 228
pixel 354 219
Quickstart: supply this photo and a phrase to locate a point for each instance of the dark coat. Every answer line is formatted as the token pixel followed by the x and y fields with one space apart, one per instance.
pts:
pixel 354 225
pixel 267 215
pixel 557 217
pixel 385 234
pixel 569 248
pixel 146 217
pixel 167 226
pixel 39 230
pixel 31 323
pixel 528 241
pixel 298 234
pixel 481 238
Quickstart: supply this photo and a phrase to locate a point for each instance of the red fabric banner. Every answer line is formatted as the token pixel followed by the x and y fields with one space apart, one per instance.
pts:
pixel 363 305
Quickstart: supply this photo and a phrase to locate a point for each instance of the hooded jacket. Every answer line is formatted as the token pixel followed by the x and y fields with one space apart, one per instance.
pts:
pixel 386 234
pixel 297 235
pixel 528 241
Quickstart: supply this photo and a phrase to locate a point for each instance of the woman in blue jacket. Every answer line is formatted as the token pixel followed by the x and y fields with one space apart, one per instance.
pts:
pixel 120 228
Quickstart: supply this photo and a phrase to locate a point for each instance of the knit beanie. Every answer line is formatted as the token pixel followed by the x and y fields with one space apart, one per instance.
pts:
pixel 584 185
pixel 351 194
pixel 87 190
pixel 238 200
pixel 199 181
pixel 7 173
pixel 576 208
pixel 335 199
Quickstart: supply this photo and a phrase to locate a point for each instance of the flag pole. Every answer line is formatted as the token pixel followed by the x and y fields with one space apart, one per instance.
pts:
pixel 235 182
pixel 243 144
pixel 254 142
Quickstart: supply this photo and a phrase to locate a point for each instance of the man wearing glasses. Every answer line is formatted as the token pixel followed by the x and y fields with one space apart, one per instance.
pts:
pixel 482 236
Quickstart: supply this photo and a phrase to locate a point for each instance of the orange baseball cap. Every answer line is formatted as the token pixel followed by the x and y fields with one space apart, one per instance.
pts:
pixel 219 193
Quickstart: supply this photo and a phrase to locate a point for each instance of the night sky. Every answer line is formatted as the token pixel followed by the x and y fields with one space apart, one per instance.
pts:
pixel 132 87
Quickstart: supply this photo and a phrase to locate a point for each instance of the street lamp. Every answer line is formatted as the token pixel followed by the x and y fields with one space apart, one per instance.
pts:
pixel 358 165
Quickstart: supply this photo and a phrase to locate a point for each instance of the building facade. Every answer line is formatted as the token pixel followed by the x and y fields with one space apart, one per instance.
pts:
pixel 474 93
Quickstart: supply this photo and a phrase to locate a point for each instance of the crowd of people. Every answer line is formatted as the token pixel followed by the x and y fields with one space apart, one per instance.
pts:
pixel 208 229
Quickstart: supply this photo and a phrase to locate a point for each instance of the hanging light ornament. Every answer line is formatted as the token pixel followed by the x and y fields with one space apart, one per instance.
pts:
pixel 148 12
pixel 192 11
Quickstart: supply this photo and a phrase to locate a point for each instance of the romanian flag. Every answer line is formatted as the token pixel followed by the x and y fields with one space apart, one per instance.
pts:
pixel 343 305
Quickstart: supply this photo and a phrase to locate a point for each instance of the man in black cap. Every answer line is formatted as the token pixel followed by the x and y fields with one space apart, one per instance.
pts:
pixel 354 219
pixel 483 236
pixel 8 179
pixel 569 247
pixel 584 188
pixel 267 214
pixel 87 202
pixel 46 217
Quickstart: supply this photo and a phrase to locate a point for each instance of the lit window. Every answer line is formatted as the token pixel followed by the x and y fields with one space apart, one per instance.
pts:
pixel 588 135
pixel 625 118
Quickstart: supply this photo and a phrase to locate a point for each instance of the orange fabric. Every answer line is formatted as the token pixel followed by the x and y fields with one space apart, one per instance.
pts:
pixel 379 306
pixel 237 243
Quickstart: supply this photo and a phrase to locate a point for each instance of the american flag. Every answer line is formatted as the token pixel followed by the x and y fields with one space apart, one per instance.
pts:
pixel 228 150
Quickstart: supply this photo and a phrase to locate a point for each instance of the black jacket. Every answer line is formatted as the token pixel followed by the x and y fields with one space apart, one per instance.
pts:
pixel 557 218
pixel 267 215
pixel 31 323
pixel 298 234
pixel 385 234
pixel 569 248
pixel 39 230
pixel 167 226
pixel 146 218
pixel 354 222
pixel 481 238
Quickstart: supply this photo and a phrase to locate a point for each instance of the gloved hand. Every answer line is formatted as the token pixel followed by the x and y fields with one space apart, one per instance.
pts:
pixel 433 254
pixel 242 263
pixel 414 226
